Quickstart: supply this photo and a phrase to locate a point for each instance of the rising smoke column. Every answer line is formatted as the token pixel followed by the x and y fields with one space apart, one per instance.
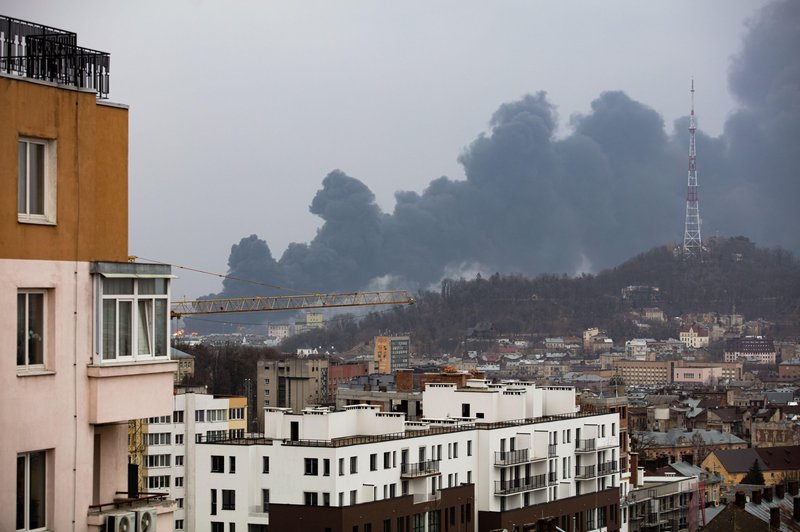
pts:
pixel 532 203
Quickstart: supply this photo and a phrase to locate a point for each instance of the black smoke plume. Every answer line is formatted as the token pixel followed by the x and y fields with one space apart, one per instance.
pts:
pixel 535 203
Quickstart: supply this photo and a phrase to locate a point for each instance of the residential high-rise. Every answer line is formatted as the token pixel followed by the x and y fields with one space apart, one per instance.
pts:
pixel 392 353
pixel 291 383
pixel 90 328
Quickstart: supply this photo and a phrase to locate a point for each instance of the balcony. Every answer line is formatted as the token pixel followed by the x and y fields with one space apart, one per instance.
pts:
pixel 119 392
pixel 419 469
pixel 608 468
pixel 50 54
pixel 420 498
pixel 586 446
pixel 518 485
pixel 585 472
pixel 552 478
pixel 507 458
pixel 551 450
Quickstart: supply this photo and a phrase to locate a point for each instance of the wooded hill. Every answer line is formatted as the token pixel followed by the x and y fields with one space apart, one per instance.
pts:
pixel 733 274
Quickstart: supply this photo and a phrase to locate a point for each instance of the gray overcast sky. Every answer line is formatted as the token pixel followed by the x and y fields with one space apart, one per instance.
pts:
pixel 239 109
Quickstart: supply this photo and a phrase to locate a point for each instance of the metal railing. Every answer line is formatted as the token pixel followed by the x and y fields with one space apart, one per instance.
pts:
pixel 584 472
pixel 419 469
pixel 516 485
pixel 50 54
pixel 551 450
pixel 607 468
pixel 552 478
pixel 144 499
pixel 503 458
pixel 586 446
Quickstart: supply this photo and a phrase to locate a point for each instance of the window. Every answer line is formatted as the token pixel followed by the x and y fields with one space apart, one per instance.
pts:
pixel 236 413
pixel 178 482
pixel 228 499
pixel 353 465
pixel 36 181
pixel 265 501
pixel 469 447
pixel 157 460
pixel 217 464
pixel 373 462
pixel 179 524
pixel 326 499
pixel 326 467
pixel 216 526
pixel 200 416
pixel 31 492
pixel 218 414
pixel 353 497
pixel 311 466
pixel 158 438
pixel 134 318
pixel 31 315
pixel 158 482
pixel 265 464
pixel 231 464
pixel 213 505
pixel 179 502
pixel 387 460
pixel 179 439
pixel 455 449
pixel 179 460
pixel 310 498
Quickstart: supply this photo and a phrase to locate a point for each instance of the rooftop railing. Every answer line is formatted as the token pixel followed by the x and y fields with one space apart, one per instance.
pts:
pixel 41 52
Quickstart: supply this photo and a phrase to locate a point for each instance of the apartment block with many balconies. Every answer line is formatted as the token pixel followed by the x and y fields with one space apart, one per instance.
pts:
pixel 486 457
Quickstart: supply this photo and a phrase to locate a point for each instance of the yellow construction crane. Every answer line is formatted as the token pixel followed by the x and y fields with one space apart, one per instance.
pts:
pixel 295 302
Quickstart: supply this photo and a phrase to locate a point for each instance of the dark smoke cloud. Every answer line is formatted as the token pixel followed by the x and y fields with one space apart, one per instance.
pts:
pixel 532 203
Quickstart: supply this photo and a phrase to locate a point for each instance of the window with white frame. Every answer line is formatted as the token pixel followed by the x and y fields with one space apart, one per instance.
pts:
pixel 36 181
pixel 134 318
pixel 158 482
pixel 31 328
pixel 158 438
pixel 31 490
pixel 157 460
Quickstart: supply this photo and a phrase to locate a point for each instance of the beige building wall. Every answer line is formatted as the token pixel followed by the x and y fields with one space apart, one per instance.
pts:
pixel 74 407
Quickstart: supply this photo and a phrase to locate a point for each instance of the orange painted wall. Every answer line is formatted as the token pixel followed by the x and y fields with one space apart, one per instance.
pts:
pixel 92 164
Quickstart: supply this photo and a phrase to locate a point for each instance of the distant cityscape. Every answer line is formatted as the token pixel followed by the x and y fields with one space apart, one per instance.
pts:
pixel 113 422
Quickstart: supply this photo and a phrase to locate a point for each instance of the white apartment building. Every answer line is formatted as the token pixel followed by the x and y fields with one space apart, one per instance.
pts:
pixel 485 457
pixel 167 450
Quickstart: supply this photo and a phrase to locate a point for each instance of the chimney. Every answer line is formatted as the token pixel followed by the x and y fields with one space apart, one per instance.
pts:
pixel 793 485
pixel 634 465
pixel 796 513
pixel 768 493
pixel 755 496
pixel 741 499
pixel 775 517
pixel 780 491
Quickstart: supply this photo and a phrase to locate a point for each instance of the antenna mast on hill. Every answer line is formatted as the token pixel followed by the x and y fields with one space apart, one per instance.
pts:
pixel 692 243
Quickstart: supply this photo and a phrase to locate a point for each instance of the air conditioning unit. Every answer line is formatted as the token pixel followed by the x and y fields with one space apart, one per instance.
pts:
pixel 121 522
pixel 146 520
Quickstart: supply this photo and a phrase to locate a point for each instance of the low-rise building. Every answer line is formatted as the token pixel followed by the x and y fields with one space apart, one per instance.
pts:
pixel 777 464
pixel 755 349
pixel 694 335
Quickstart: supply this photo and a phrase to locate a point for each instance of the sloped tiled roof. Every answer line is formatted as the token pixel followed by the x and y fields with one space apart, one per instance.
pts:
pixel 739 460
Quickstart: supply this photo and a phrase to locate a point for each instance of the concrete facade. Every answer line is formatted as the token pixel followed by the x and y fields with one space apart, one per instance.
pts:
pixel 78 375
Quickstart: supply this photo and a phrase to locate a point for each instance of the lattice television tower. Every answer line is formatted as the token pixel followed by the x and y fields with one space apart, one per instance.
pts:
pixel 692 243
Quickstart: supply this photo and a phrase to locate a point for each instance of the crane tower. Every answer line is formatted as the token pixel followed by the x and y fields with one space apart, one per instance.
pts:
pixel 692 242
